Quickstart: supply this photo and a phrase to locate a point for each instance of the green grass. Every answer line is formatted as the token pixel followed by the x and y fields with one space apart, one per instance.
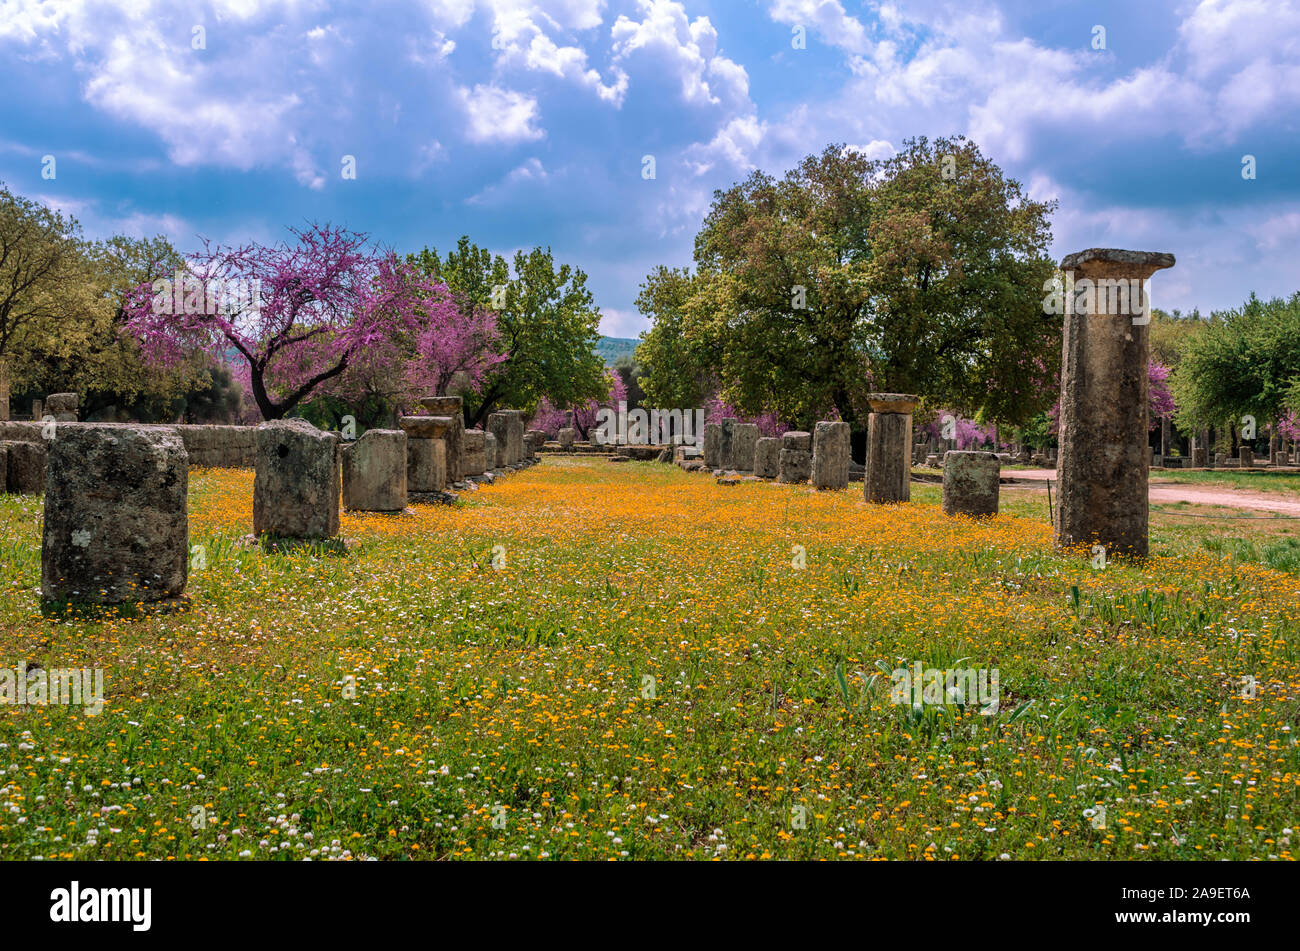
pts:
pixel 665 668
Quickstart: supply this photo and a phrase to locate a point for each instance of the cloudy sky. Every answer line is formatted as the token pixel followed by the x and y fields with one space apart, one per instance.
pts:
pixel 523 122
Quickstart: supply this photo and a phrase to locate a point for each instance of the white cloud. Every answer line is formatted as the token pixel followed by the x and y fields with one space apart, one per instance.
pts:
pixel 499 115
pixel 688 47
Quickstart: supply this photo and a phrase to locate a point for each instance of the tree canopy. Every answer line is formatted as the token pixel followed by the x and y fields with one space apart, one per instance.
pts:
pixel 920 273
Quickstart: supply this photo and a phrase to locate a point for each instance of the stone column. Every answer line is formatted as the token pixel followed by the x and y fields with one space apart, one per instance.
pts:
pixel 426 454
pixel 889 431
pixel 63 406
pixel 1247 456
pixel 475 452
pixel 374 471
pixel 727 447
pixel 712 446
pixel 498 424
pixel 767 457
pixel 296 485
pixel 743 442
pixel 566 437
pixel 794 463
pixel 830 461
pixel 453 408
pixel 1164 436
pixel 970 483
pixel 116 532
pixel 1102 499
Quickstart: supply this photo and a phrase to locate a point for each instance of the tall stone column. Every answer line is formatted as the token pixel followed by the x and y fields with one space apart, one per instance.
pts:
pixel 1103 422
pixel 889 434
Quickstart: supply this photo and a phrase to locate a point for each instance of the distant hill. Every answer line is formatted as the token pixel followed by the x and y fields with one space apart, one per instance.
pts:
pixel 610 349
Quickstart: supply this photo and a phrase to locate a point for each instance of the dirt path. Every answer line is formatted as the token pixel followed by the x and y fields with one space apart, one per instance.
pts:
pixel 1036 480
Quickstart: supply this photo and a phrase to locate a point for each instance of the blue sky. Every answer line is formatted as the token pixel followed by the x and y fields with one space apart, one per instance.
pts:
pixel 523 122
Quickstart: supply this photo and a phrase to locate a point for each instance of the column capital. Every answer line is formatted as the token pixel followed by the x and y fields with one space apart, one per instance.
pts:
pixel 893 402
pixel 1116 263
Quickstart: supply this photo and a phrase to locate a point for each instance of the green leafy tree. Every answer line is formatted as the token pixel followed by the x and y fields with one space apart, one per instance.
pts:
pixel 546 319
pixel 1242 362
pixel 921 273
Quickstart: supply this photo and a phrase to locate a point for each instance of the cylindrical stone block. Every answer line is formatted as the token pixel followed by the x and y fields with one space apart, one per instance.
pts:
pixel 796 439
pixel 1246 455
pixel 1102 496
pixel 63 406
pixel 426 465
pixel 793 466
pixel 374 472
pixel 831 450
pixel 116 528
pixel 25 466
pixel 296 485
pixel 970 483
pixel 727 444
pixel 475 452
pixel 712 446
pixel 743 440
pixel 889 434
pixel 767 457
pixel 451 407
pixel 567 436
pixel 491 453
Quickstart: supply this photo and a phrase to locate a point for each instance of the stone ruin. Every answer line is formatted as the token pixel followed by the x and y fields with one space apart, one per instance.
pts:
pixel 831 452
pixel 296 485
pixel 450 408
pixel 794 463
pixel 767 457
pixel 62 406
pixel 970 483
pixel 1102 497
pixel 744 440
pixel 374 472
pixel 889 440
pixel 426 455
pixel 116 532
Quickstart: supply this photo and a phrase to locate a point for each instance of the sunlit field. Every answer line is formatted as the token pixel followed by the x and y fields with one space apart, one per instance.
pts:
pixel 598 661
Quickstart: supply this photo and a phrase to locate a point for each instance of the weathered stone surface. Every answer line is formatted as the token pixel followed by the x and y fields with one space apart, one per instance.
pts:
pixel 794 466
pixel 889 434
pixel 567 436
pixel 970 483
pixel 831 451
pixel 424 427
pixel 453 408
pixel 1246 455
pixel 116 527
pixel 1199 457
pixel 712 445
pixel 501 425
pixel 426 465
pixel 296 486
pixel 515 448
pixel 743 440
pixel 374 472
pixel 534 440
pixel 796 439
pixel 491 452
pixel 1103 420
pixel 25 466
pixel 475 452
pixel 727 443
pixel 63 406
